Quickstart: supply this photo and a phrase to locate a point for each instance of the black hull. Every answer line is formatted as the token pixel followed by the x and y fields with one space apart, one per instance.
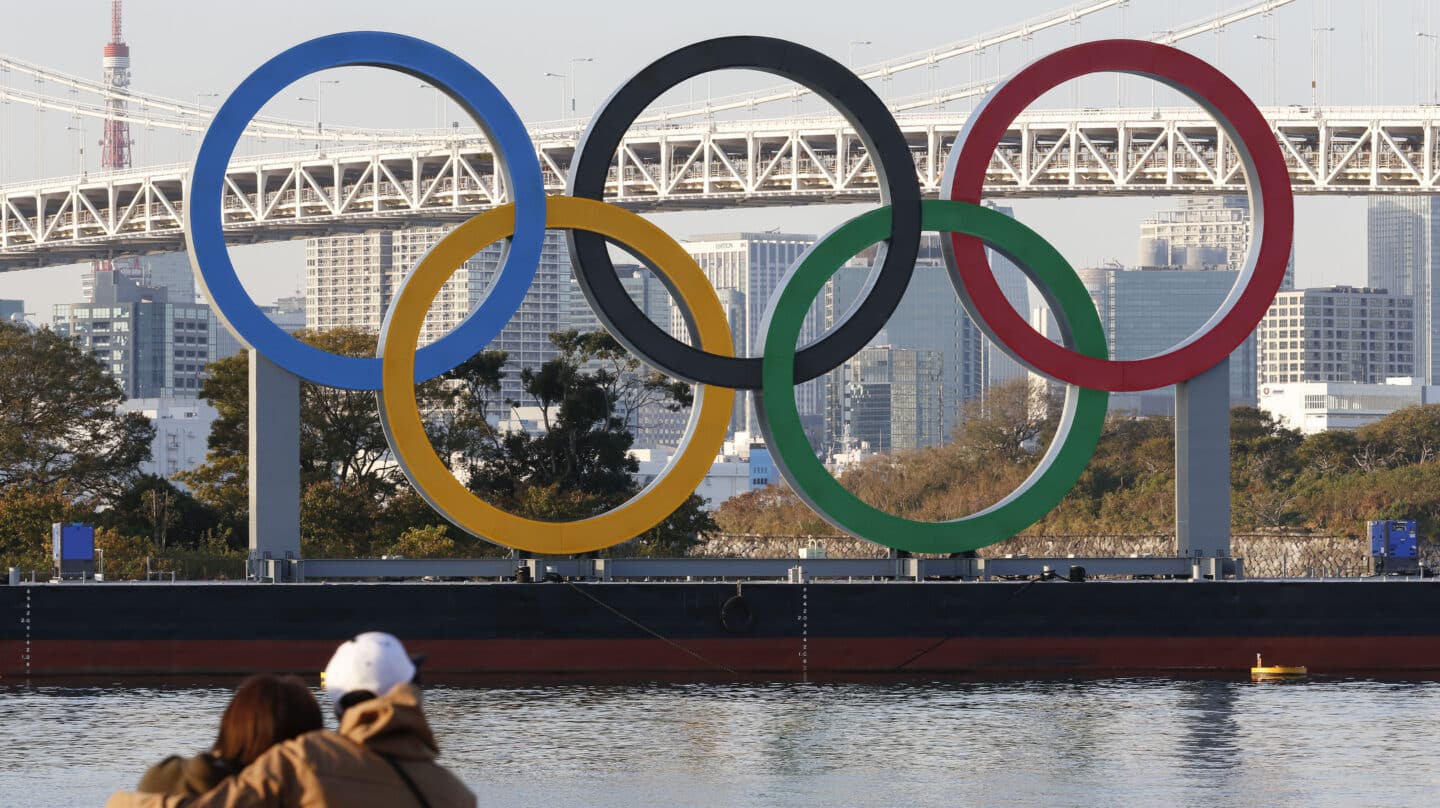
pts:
pixel 770 629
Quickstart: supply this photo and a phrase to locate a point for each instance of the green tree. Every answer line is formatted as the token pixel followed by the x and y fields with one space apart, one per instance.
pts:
pixel 579 465
pixel 1327 453
pixel 58 424
pixel 341 440
pixel 460 406
pixel 26 513
pixel 1407 436
pixel 152 506
pixel 338 520
pixel 340 434
pixel 222 485
pixel 1013 421
pixel 426 541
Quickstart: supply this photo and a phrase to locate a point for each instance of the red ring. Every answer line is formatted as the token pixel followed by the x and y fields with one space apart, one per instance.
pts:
pixel 1235 114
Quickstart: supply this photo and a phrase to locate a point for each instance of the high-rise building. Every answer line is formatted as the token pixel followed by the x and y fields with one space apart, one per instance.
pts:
pixel 930 317
pixel 1403 244
pixel 1203 233
pixel 182 432
pixel 152 347
pixel 1337 334
pixel 998 366
pixel 751 265
pixel 287 312
pixel 352 279
pixel 891 399
pixel 1150 311
pixel 170 271
pixel 647 290
pixel 348 281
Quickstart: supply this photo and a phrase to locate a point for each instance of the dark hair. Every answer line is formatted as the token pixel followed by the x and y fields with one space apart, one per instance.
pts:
pixel 265 710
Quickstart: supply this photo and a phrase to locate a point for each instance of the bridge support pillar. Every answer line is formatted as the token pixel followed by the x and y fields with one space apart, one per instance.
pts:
pixel 1202 463
pixel 274 429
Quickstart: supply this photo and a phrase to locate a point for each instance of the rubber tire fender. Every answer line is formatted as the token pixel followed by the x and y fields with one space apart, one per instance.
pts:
pixel 736 616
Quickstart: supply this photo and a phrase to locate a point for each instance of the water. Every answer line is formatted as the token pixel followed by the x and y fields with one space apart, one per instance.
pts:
pixel 916 743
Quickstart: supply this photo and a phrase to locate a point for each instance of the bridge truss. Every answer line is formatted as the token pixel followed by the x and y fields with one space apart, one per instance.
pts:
pixel 790 162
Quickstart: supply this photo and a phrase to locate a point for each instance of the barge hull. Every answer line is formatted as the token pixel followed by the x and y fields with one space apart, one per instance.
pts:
pixel 768 629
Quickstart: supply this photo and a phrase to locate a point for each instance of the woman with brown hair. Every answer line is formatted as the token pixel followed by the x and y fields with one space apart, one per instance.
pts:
pixel 265 710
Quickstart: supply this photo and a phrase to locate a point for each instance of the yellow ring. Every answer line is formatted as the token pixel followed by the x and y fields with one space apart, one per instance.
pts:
pixel 400 414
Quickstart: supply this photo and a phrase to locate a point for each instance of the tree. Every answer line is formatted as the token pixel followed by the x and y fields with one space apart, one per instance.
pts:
pixel 680 532
pixel 1330 452
pixel 1013 421
pixel 356 502
pixel 153 506
pixel 58 424
pixel 222 485
pixel 428 541
pixel 338 520
pixel 1407 436
pixel 341 440
pixel 340 434
pixel 26 513
pixel 579 465
pixel 457 419
pixel 1261 449
pixel 624 378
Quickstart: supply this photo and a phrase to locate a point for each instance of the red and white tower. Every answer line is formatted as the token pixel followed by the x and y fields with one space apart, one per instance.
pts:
pixel 115 138
pixel 115 144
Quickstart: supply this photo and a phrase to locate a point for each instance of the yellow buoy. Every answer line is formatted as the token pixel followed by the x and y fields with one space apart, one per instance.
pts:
pixel 1262 671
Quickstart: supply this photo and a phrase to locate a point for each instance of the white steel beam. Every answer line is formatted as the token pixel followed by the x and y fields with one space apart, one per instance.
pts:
pixel 789 162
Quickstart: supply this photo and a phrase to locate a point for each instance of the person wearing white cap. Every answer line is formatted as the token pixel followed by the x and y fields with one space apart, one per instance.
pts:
pixel 383 755
pixel 370 664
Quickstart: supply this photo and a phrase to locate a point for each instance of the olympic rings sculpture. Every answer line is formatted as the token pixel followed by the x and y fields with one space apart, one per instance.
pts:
pixel 592 223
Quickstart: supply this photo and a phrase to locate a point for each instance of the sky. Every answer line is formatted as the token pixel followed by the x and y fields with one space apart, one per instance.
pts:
pixel 200 50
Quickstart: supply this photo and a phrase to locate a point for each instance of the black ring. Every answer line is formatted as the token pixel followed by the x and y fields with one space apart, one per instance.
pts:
pixel 889 153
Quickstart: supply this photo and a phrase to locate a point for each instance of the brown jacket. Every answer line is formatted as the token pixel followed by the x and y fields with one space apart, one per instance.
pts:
pixel 191 776
pixel 338 770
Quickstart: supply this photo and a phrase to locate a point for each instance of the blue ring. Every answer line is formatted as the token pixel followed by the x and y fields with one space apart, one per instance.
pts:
pixel 514 155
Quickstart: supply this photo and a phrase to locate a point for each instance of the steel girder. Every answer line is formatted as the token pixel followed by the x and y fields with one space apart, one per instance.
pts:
pixel 787 162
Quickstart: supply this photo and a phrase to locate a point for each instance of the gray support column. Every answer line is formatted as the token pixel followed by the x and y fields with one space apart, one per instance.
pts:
pixel 274 460
pixel 1202 463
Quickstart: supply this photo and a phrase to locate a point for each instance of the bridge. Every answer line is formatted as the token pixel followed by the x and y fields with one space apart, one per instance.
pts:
pixel 686 156
pixel 674 167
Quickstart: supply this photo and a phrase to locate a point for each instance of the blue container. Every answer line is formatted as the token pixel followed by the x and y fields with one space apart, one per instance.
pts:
pixel 1394 539
pixel 72 547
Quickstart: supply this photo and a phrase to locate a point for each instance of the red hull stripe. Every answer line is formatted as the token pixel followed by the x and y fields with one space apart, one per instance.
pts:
pixel 749 656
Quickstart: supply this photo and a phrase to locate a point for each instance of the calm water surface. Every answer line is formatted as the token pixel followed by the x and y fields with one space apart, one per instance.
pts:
pixel 1140 742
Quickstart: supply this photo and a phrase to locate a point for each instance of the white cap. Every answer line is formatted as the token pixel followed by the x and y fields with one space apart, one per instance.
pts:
pixel 373 661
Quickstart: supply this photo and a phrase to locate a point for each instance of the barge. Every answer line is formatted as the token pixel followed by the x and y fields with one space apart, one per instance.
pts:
pixel 778 629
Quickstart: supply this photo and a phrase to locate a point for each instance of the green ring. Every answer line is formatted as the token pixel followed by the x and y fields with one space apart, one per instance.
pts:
pixel 1063 462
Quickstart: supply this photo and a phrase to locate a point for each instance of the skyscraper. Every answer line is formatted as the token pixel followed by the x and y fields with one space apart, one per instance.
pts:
pixel 351 280
pixel 1150 311
pixel 890 399
pixel 751 264
pixel 1339 334
pixel 648 292
pixel 1403 246
pixel 1205 232
pixel 168 271
pixel 998 367
pixel 930 317
pixel 152 347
